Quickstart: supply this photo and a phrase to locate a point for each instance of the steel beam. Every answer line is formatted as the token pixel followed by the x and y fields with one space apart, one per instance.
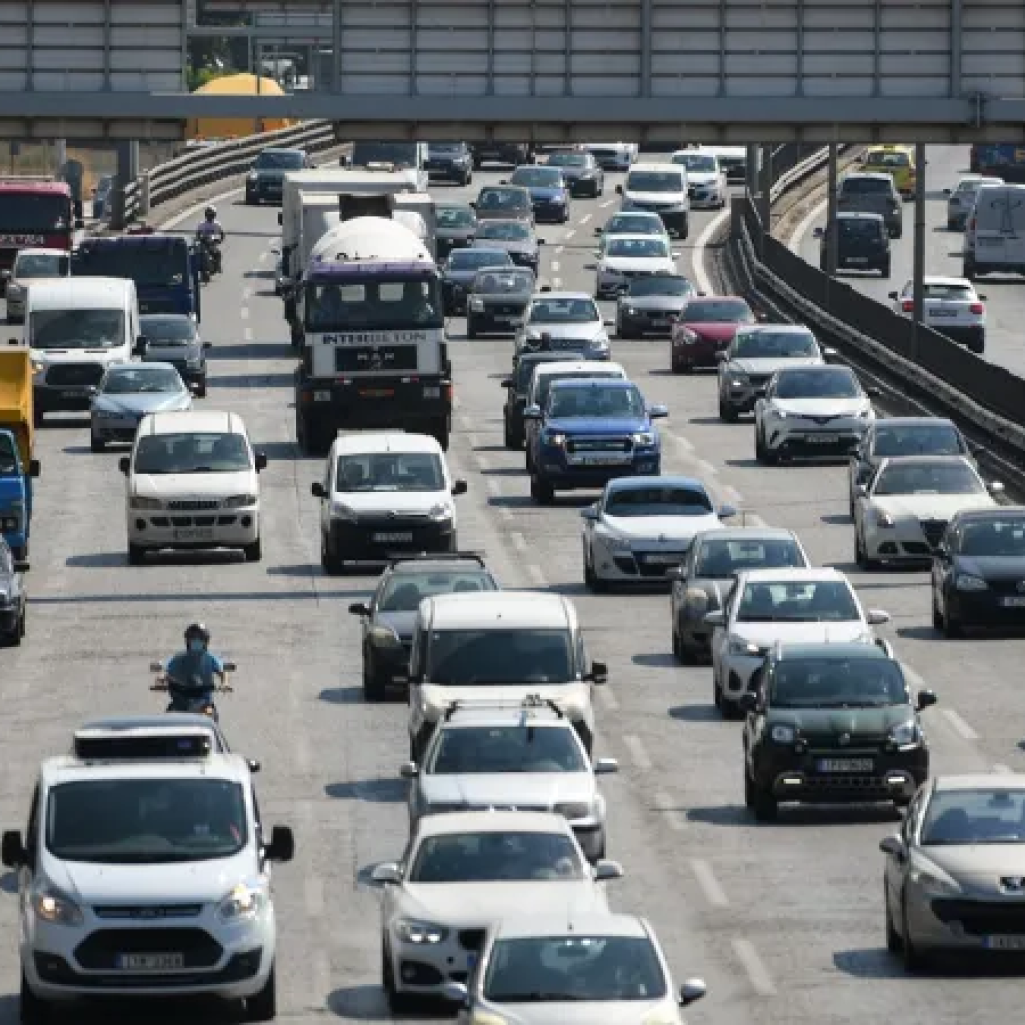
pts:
pixel 918 266
pixel 955 47
pixel 645 84
pixel 336 47
pixel 832 234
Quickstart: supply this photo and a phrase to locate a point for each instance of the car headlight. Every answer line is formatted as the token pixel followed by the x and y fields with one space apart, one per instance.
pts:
pixel 865 413
pixel 441 511
pixel 600 343
pixel 906 735
pixel 574 809
pixel 935 883
pixel 339 511
pixel 411 931
pixel 477 305
pixel 738 380
pixel 644 438
pixel 487 1018
pixel 146 503
pixel 884 519
pixel 630 311
pixel 555 439
pixel 240 501
pixel 738 646
pixel 783 734
pixel 777 413
pixel 13 290
pixel 244 902
pixel 686 337
pixel 967 582
pixel 53 906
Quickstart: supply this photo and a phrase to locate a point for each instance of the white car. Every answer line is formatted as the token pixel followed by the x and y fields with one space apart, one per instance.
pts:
pixel 526 756
pixel 613 156
pixel 642 527
pixel 634 222
pixel 569 322
pixel 950 306
pixel 621 258
pixel 462 873
pixel 193 484
pixel 820 411
pixel 961 200
pixel 705 178
pixel 900 515
pixel 795 606
pixel 385 494
pixel 126 840
pixel 32 265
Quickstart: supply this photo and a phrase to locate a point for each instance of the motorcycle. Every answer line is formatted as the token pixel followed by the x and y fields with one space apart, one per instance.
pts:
pixel 191 696
pixel 210 256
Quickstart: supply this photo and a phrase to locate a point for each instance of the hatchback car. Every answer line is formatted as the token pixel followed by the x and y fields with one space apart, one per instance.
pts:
pixel 581 172
pixel 548 191
pixel 961 199
pixel 704 328
pixel 498 300
pixel 950 306
pixel 174 338
pixel 504 202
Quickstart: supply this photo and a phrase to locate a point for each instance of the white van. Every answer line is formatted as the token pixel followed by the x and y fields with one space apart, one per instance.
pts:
pixel 995 233
pixel 75 328
pixel 732 160
pixel 661 189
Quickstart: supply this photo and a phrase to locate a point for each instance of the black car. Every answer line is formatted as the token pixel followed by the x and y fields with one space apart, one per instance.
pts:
pixel 497 301
pixel 517 388
pixel 978 571
pixel 581 173
pixel 517 238
pixel 389 618
pixel 863 243
pixel 449 162
pixel 266 180
pixel 830 724
pixel 513 153
pixel 459 270
pixel 549 193
pixel 504 203
pixel 456 227
pixel 13 598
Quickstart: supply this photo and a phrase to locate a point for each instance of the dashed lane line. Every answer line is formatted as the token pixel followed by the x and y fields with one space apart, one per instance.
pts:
pixel 706 468
pixel 248 334
pixel 710 886
pixel 555 266
pixel 607 696
pixel 244 313
pixel 637 752
pixel 757 974
pixel 519 541
pixel 701 278
pixel 962 728
pixel 537 575
pixel 492 485
pixel 1002 769
pixel 669 812
pixel 586 218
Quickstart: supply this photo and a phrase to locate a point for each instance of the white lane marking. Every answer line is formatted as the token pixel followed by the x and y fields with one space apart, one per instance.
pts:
pixel 265 256
pixel 474 440
pixel 485 463
pixel 492 486
pixel 701 278
pixel 313 891
pixel 465 421
pixel 608 698
pixel 556 283
pixel 710 886
pixel 586 218
pixel 537 576
pixel 248 334
pixel 706 468
pixel 244 313
pixel 685 443
pixel 1002 770
pixel 555 265
pixel 757 973
pixel 519 541
pixel 667 806
pixel 754 520
pixel 321 979
pixel 637 752
pixel 801 230
pixel 732 495
pixel 569 234
pixel 247 293
pixel 505 514
pixel 959 724
pixel 605 204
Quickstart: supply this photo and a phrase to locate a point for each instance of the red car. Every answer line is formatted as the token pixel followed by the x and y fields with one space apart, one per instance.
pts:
pixel 704 328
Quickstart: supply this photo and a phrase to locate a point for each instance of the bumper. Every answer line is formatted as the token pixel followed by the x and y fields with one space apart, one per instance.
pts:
pixel 9 617
pixel 965 924
pixel 655 322
pixel 424 968
pixel 554 472
pixel 493 321
pixel 621 162
pixel 706 199
pixel 966 334
pixel 742 399
pixel 812 444
pixel 862 261
pixel 803 779
pixel 114 430
pixel 637 565
pixel 736 674
pixel 378 403
pixel 699 355
pixel 449 173
pixel 226 529
pixel 378 540
pixel 987 609
pixel 584 187
pixel 898 544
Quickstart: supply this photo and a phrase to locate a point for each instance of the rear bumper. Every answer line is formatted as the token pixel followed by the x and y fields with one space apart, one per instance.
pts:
pixel 380 402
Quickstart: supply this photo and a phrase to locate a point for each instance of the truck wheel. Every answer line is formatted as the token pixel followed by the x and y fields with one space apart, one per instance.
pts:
pixel 471 328
pixel 37 417
pixel 253 552
pixel 263 1006
pixel 97 445
pixel 296 337
pixel 136 555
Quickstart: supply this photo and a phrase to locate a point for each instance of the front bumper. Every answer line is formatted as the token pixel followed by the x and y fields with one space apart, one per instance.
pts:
pixel 548 210
pixel 553 470
pixel 906 541
pixel 741 398
pixel 15 306
pixel 797 441
pixel 705 197
pixel 376 540
pixel 964 923
pixel 375 403
pixel 260 191
pixel 423 968
pixel 225 528
pixel 998 607
pixel 639 563
pixel 700 355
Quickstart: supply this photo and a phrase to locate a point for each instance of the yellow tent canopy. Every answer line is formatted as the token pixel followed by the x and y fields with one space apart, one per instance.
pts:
pixel 233 128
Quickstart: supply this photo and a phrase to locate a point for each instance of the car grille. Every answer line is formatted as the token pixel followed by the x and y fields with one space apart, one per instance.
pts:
pixel 599 445
pixel 100 950
pixel 933 530
pixel 576 344
pixel 74 374
pixel 148 912
pixel 1007 586
pixel 759 380
pixel 471 939
pixel 188 505
pixel 630 274
pixel 831 742
pixel 983 919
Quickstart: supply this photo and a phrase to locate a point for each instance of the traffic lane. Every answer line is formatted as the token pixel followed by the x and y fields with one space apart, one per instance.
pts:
pixel 944 248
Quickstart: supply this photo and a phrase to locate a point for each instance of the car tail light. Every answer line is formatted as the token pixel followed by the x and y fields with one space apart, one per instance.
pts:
pixel 908 305
pixel 978 308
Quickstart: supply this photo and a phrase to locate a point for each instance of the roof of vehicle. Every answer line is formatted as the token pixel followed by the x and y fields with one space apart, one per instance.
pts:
pixel 980 781
pixel 500 610
pixel 782 329
pixel 817 368
pixel 979 179
pixel 540 924
pixel 583 383
pixel 563 295
pixel 926 460
pixel 792 575
pixel 661 168
pixel 492 822
pixel 439 564
pixel 82 293
pixel 842 652
pixel 669 480
pixel 650 215
pixel 200 421
pixel 153 240
pixel 1001 512
pixel 366 443
pixel 940 279
pixel 218 765
pixel 146 367
pixel 746 534
pixel 633 236
pixel 556 366
pixel 39 251
pixel 511 714
pixel 912 421
pixel 879 175
pixel 181 720
pixel 33 185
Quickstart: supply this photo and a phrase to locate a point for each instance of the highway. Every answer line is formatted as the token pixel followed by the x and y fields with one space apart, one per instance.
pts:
pixel 1005 295
pixel 784 922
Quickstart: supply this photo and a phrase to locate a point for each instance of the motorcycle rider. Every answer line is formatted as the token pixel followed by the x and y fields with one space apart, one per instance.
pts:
pixel 210 230
pixel 194 671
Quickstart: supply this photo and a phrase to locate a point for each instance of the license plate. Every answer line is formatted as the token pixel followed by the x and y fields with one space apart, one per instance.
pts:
pixel 194 534
pixel 600 460
pixel 1005 942
pixel 845 765
pixel 377 393
pixel 858 259
pixel 944 313
pixel 396 537
pixel 150 962
pixel 660 322
pixel 822 439
pixel 432 392
pixel 1013 603
pixel 321 396
pixel 664 560
pixel 74 393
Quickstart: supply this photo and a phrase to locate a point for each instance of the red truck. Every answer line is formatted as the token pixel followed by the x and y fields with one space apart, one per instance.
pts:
pixel 34 213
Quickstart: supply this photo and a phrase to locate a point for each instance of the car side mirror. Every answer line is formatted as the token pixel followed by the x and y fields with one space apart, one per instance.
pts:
pixel 715 618
pixel 605 766
pixel 926 699
pixel 722 357
pixel 317 490
pixel 124 464
pixel 409 770
pixel 540 241
pixel 34 469
pixel 818 233
pixel 590 513
pixel 727 512
pixel 508 382
pixel 619 190
pixel 893 845
pixel 862 490
pixel 995 487
pixel 658 412
pixel 532 413
pixel 12 850
pixel 893 295
pixel 254 765
pixel 599 673
pixel 459 487
pixel 876 617
pixel 260 462
pixel 692 991
pixel 22 565
pixel 598 231
pixel 748 702
pixel 359 608
pixel 984 298
pixel 676 573
pixel 282 844
pixel 873 392
pixel 386 873
pixel 605 870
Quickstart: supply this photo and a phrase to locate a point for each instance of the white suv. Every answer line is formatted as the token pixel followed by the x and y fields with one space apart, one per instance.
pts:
pixel 385 494
pixel 950 306
pixel 144 872
pixel 193 483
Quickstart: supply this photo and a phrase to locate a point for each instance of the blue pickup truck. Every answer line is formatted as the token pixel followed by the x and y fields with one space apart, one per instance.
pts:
pixel 592 430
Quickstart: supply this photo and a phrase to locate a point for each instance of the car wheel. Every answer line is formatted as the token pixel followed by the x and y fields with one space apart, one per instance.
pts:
pixel 97 445
pixel 764 803
pixel 937 616
pixel 894 944
pixel 914 961
pixel 541 491
pixel 510 438
pixel 33 1010
pixel 398 1003
pixel 471 328
pixel 253 552
pixel 683 654
pixel 136 555
pixel 749 787
pixel 332 565
pixel 201 390
pixel 861 555
pixel 727 413
pixel 263 1006
pixel 374 689
pixel 953 628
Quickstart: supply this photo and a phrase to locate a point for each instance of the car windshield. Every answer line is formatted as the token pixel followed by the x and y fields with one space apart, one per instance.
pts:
pixel 904 478
pixel 654 181
pixel 480 658
pixel 635 247
pixel 721 559
pixel 866 186
pixel 279 160
pixel 513 282
pixel 563 311
pixel 495 857
pixel 119 821
pixel 664 500
pixel 140 380
pixel 717 311
pixel 860 227
pixel 41 265
pixel 504 199
pixel 568 160
pixel 595 401
pixel 989 815
pixel 537 177
pixel 764 344
pixel 555 969
pixel 455 217
pixel 399 154
pixel 404 591
pixel 474 259
pixel 444 148
pixel 413 304
pixel 994 539
pixel 887 158
pixel 168 331
pixel 506 231
pixel 160 261
pixel 838 683
pixel 917 440
pixel 799 601
pixel 77 329
pixel 700 162
pixel 8 456
pixel 828 383
pixel 192 452
pixel 472 750
pixel 659 284
pixel 389 471
pixel 635 224
pixel 525 370
pixel 947 293
pixel 545 381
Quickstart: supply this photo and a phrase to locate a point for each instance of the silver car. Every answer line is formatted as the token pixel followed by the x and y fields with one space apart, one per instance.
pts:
pixel 517 238
pixel 650 304
pixel 953 878
pixel 174 338
pixel 961 200
pixel 127 393
pixel 569 322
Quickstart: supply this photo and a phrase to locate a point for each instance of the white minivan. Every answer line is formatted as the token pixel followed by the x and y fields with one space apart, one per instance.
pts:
pixel 193 484
pixel 75 328
pixel 661 189
pixel 995 233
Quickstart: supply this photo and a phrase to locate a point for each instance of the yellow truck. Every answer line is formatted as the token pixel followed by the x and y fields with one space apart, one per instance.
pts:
pixel 17 440
pixel 897 161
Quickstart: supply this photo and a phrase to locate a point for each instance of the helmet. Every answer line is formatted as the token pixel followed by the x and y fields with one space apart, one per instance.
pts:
pixel 210 213
pixel 197 630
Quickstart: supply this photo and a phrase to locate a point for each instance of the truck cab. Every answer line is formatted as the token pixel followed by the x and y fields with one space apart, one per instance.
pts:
pixel 17 467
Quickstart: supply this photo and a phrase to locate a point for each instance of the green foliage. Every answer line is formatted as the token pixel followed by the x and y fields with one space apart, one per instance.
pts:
pixel 198 77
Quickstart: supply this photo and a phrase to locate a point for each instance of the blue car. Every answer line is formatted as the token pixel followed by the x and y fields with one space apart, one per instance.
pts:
pixel 548 192
pixel 591 431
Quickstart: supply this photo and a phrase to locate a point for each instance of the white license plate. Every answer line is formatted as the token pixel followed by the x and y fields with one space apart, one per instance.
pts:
pixel 194 534
pixel 944 313
pixel 664 560
pixel 321 396
pixel 432 392
pixel 822 439
pixel 600 460
pixel 1013 603
pixel 1005 942
pixel 858 259
pixel 845 765
pixel 150 962
pixel 396 537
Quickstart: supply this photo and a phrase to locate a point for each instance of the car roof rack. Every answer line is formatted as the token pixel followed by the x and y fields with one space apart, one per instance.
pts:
pixel 437 557
pixel 146 744
pixel 483 704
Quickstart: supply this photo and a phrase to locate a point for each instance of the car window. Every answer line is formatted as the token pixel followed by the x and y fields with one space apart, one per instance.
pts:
pixel 563 311
pixel 471 750
pixel 836 682
pixel 636 247
pixel 819 601
pixel 1003 538
pixel 480 658
pixel 473 259
pixel 860 228
pixel 717 311
pixel 866 186
pixel 506 231
pixel 41 265
pixel 668 500
pixel 654 181
pixel 762 344
pixel 491 857
pixel 192 452
pixel 888 158
pixel 503 199
pixel 537 177
pixel 512 282
pixel 989 815
pixel 917 440
pixel 136 380
pixel 721 559
pixel 950 293
pixel 595 401
pixel 455 217
pixel 389 471
pixel 903 478
pixel 659 284
pixel 634 224
pixel 829 383
pixel 404 591
pixel 168 330
pixel 702 163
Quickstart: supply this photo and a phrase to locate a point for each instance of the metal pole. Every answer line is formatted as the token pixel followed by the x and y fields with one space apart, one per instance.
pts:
pixel 765 193
pixel 752 169
pixel 832 236
pixel 919 249
pixel 336 46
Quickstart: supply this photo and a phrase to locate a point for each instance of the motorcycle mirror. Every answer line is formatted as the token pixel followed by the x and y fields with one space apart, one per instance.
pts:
pixel 254 765
pixel 230 667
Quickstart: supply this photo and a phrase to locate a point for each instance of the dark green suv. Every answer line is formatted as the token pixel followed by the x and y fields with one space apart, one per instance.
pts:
pixel 832 724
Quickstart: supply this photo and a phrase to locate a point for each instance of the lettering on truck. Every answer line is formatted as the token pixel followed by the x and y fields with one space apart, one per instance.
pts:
pixel 381 338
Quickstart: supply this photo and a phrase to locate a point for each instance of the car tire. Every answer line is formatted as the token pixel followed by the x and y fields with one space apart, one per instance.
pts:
pixel 977 345
pixel 471 328
pixel 510 439
pixel 594 848
pixel 33 1010
pixel 764 803
pixel 440 428
pixel 541 491
pixel 681 652
pixel 96 445
pixel 749 787
pixel 592 581
pixel 861 555
pixel 201 390
pixel 884 269
pixel 374 689
pixel 953 628
pixel 263 1006
pixel 914 960
pixel 400 1004
pixel 329 562
pixel 727 413
pixel 894 944
pixel 253 552
pixel 136 555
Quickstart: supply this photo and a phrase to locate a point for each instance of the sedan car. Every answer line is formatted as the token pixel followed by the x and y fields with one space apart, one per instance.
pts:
pixel 498 300
pixel 388 619
pixel 567 322
pixel 755 354
pixel 456 227
pixel 902 513
pixel 581 172
pixel 704 329
pixel 462 873
pixel 702 582
pixel 266 179
pixel 517 238
pixel 31 265
pixel 613 156
pixel 623 258
pixel 127 393
pixel 449 162
pixel 789 606
pixel 13 596
pixel 812 411
pixel 459 270
pixel 174 338
pixel 890 437
pixel 705 178
pixel 952 881
pixel 649 304
pixel 950 306
pixel 641 527
pixel 634 222
pixel 529 757
pixel 961 200
pixel 504 203
pixel 548 191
